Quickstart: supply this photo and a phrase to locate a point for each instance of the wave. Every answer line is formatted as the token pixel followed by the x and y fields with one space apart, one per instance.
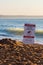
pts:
pixel 17 31
pixel 21 30
pixel 6 35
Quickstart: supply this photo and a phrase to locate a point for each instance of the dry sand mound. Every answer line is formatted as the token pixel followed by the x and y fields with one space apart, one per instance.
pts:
pixel 14 52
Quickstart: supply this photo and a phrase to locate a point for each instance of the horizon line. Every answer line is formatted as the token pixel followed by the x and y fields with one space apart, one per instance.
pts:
pixel 24 15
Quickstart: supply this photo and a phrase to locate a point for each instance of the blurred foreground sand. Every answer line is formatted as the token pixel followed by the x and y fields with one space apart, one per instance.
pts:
pixel 13 52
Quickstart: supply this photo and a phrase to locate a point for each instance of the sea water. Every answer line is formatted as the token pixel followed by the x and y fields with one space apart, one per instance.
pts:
pixel 7 23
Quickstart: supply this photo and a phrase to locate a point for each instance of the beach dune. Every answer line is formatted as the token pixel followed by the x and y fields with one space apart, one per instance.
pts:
pixel 14 52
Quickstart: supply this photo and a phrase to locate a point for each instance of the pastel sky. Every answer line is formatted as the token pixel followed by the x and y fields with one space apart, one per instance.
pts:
pixel 21 7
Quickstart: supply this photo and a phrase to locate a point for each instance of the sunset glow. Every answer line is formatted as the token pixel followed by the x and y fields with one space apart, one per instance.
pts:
pixel 21 7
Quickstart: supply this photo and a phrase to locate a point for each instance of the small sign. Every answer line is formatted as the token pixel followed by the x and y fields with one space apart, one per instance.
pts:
pixel 29 33
pixel 28 39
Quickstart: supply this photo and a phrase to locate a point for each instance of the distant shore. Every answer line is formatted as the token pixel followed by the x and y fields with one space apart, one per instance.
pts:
pixel 20 16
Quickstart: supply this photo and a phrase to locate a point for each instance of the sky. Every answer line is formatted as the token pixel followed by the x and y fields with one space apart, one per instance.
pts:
pixel 21 7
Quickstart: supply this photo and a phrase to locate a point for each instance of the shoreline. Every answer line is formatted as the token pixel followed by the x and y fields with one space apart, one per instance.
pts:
pixel 36 42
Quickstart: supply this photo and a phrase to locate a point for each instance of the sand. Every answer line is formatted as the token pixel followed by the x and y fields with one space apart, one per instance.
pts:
pixel 14 52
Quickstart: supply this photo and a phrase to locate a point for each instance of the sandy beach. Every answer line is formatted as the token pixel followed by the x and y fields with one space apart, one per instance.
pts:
pixel 14 52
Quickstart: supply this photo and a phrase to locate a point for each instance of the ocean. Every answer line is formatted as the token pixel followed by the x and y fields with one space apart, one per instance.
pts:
pixel 6 24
